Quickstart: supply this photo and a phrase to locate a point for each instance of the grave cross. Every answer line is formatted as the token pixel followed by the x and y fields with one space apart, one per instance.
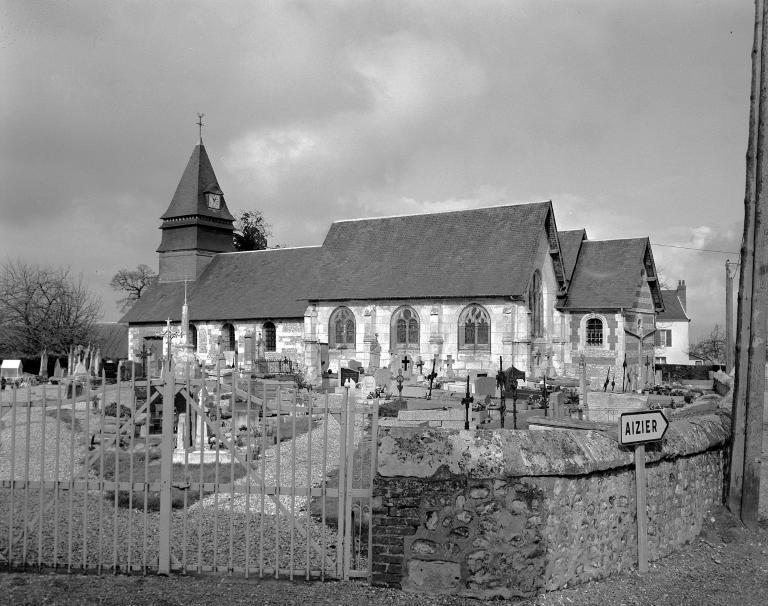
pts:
pixel 420 365
pixel 432 376
pixel 143 354
pixel 406 362
pixel 400 378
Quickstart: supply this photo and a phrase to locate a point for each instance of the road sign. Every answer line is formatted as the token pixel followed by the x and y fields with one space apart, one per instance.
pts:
pixel 641 427
pixel 635 429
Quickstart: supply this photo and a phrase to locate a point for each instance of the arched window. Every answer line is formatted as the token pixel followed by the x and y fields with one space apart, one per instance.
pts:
pixel 404 328
pixel 192 336
pixel 536 306
pixel 270 336
pixel 228 337
pixel 594 332
pixel 474 328
pixel 341 328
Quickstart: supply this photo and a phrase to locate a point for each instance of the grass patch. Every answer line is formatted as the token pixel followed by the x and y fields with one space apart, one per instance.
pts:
pixel 391 408
pixel 146 470
pixel 67 417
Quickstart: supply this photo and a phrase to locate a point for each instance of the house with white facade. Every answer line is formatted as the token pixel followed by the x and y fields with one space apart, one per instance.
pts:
pixel 672 342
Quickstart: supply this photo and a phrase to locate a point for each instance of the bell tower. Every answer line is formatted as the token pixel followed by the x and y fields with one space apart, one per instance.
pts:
pixel 197 224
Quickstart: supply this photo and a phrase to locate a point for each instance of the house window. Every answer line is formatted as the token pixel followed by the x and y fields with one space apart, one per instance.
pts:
pixel 536 306
pixel 405 327
pixel 660 360
pixel 664 338
pixel 228 337
pixel 270 336
pixel 341 330
pixel 594 336
pixel 474 328
pixel 193 336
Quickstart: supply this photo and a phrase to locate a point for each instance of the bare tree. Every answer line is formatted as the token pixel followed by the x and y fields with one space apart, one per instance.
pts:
pixel 710 348
pixel 134 283
pixel 44 308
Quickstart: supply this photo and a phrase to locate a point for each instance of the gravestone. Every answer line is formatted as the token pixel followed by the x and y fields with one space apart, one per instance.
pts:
pixel 383 377
pixel 395 363
pixel 369 384
pixel 449 362
pixel 485 386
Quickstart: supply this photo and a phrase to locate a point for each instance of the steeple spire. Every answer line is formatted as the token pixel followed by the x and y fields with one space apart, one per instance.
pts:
pixel 197 224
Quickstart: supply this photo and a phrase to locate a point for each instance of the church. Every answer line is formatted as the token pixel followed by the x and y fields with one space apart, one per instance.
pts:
pixel 469 289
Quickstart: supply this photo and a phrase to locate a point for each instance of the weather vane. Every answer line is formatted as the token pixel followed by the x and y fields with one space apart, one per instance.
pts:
pixel 200 125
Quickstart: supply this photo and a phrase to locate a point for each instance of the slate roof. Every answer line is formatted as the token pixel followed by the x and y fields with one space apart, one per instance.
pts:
pixel 235 286
pixel 197 180
pixel 112 340
pixel 673 308
pixel 608 274
pixel 570 244
pixel 469 253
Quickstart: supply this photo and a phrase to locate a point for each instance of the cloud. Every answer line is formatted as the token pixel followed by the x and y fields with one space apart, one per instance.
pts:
pixel 630 117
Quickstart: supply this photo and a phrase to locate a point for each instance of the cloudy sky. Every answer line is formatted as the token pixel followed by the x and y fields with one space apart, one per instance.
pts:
pixel 630 116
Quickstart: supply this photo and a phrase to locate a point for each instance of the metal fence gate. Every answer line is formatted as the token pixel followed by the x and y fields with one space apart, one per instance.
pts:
pixel 224 474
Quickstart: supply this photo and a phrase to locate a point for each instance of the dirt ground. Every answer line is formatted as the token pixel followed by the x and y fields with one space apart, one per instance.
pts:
pixel 726 564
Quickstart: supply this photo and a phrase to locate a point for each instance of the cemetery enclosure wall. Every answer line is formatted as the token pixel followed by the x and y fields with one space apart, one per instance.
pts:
pixel 495 513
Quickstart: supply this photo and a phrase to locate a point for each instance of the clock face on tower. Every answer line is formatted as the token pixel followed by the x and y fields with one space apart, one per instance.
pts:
pixel 214 201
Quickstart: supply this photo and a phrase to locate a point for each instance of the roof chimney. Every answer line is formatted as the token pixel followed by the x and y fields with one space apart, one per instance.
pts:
pixel 681 293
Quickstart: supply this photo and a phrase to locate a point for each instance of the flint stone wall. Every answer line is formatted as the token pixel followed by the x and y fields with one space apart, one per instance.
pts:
pixel 512 513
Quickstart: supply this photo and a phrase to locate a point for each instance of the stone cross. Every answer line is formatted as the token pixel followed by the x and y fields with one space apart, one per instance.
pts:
pixel 406 362
pixel 449 364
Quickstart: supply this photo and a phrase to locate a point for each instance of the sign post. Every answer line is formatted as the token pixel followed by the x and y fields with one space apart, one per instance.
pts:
pixel 637 429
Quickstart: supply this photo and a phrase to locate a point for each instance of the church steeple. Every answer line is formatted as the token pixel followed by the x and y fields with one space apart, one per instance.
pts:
pixel 197 224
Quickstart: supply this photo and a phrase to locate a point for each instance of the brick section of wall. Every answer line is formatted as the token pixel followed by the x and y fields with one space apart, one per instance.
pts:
pixel 395 516
pixel 610 328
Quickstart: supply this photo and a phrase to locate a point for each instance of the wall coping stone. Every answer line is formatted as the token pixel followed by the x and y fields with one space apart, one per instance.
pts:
pixel 422 452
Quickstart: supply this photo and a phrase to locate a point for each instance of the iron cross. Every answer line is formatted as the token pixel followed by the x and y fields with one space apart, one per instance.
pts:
pixel 200 125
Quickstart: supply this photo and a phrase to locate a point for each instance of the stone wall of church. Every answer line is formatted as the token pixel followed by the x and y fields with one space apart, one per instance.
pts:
pixel 510 324
pixel 289 339
pixel 620 329
pixel 248 334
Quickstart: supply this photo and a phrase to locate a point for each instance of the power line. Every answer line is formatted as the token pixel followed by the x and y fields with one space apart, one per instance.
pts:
pixel 723 252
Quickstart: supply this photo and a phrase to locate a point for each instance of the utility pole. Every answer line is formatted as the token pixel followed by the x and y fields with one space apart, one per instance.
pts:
pixel 729 314
pixel 749 381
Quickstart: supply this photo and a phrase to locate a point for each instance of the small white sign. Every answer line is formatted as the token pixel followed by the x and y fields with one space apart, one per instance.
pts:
pixel 642 427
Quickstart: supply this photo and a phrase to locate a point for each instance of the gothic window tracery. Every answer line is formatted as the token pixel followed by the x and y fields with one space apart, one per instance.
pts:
pixel 341 329
pixel 405 327
pixel 474 328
